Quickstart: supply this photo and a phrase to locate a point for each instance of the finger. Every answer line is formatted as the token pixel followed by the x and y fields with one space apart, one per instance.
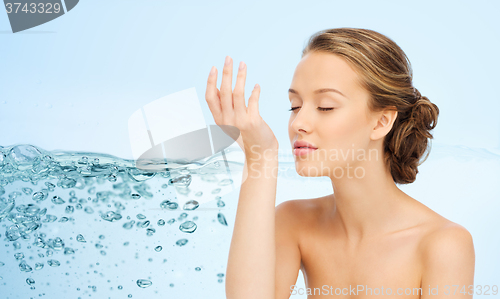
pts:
pixel 239 90
pixel 212 95
pixel 253 101
pixel 226 89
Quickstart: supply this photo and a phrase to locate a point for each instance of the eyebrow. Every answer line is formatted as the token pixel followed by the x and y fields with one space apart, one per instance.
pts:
pixel 322 90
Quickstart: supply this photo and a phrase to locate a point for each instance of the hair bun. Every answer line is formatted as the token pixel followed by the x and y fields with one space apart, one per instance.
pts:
pixel 424 113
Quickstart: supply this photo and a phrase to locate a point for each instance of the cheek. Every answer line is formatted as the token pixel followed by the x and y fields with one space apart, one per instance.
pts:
pixel 346 128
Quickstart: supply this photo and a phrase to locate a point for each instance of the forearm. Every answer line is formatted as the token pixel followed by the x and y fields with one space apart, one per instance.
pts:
pixel 251 263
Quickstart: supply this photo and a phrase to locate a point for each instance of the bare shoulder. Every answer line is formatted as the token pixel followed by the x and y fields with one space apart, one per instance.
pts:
pixel 295 216
pixel 300 209
pixel 445 240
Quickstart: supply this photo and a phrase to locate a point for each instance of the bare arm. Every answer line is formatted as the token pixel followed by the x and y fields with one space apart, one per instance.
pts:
pixel 252 257
pixel 448 260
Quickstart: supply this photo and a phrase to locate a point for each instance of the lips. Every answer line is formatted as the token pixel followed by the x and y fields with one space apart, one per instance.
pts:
pixel 303 144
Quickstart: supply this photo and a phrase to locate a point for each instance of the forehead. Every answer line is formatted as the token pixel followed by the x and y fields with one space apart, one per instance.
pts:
pixel 322 70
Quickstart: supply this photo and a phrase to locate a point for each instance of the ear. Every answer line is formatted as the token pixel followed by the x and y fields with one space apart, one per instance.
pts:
pixel 384 121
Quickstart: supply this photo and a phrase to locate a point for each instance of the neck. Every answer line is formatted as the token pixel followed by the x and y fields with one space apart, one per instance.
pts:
pixel 367 206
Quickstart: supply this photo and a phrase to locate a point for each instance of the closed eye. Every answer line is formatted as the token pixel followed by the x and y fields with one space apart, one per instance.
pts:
pixel 319 108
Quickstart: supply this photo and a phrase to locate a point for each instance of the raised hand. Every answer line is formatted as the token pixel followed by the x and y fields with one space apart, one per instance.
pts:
pixel 228 108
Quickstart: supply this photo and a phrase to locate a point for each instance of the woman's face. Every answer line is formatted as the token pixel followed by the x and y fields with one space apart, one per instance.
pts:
pixel 342 134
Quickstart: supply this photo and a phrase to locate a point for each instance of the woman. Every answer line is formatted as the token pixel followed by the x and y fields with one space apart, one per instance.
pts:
pixel 354 105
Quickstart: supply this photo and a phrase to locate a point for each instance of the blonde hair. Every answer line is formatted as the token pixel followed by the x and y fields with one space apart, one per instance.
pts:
pixel 386 73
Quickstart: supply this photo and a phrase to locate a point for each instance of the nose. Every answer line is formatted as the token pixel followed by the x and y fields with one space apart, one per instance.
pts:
pixel 302 121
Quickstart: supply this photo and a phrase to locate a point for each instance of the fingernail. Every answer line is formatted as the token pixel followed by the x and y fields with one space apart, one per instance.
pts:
pixel 242 65
pixel 212 71
pixel 228 59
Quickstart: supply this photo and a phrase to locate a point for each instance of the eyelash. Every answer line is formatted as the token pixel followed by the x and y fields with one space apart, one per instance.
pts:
pixel 322 109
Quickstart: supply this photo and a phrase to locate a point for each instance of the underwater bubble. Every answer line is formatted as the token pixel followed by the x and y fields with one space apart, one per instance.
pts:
pixel 31 210
pixel 85 170
pixel 167 204
pixel 19 256
pixel 88 210
pixel 103 252
pixel 171 285
pixel 119 206
pixel 220 275
pixel 56 244
pixel 49 253
pixel 181 242
pixel 53 263
pixel 129 225
pixel 111 216
pixel 38 266
pixel 98 246
pixel 6 205
pixel 102 237
pixel 188 227
pixel 80 238
pixel 139 175
pixel 197 269
pixel 181 181
pixel 23 266
pixel 49 218
pixel 68 251
pixel 112 178
pixel 220 280
pixel 14 195
pixel 158 248
pixel 144 224
pixel 72 193
pixel 126 244
pixel 195 218
pixel 191 205
pixel 164 186
pixel 66 183
pixel 171 221
pixel 57 200
pixel 16 245
pixel 2 264
pixel 199 193
pixel 225 182
pixel 91 190
pixel 120 287
pixel 40 195
pixel 12 233
pixel 151 231
pixel 140 216
pixel 23 156
pixel 220 204
pixel 130 295
pixel 161 222
pixel 64 219
pixel 69 209
pixel 144 283
pixel 142 189
pixel 135 196
pixel 222 219
pixel 30 281
pixel 40 242
pixel 50 186
pixel 216 191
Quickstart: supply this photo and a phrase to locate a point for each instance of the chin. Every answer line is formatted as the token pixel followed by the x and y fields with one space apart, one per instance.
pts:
pixel 307 171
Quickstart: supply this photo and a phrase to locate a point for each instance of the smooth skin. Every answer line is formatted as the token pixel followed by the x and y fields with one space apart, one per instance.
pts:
pixel 367 233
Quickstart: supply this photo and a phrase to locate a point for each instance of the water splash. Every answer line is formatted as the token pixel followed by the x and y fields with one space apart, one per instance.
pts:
pixel 47 197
